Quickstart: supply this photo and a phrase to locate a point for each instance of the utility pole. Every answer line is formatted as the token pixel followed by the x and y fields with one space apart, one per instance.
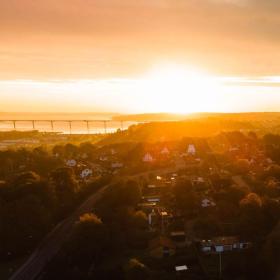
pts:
pixel 88 128
pixel 70 127
pixel 220 265
pixel 51 125
pixel 14 123
pixel 105 127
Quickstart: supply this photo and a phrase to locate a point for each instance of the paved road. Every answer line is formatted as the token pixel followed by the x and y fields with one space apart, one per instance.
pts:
pixel 50 246
pixel 53 241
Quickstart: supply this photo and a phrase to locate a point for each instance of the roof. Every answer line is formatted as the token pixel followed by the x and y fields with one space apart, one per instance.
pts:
pixel 181 268
pixel 221 240
pixel 148 157
pixel 177 233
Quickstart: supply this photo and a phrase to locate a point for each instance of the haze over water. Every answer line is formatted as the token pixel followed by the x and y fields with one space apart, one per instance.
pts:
pixel 61 124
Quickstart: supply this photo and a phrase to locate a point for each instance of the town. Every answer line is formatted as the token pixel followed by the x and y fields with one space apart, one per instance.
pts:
pixel 195 208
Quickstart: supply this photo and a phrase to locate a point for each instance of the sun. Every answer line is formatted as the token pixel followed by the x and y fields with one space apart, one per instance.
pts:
pixel 180 89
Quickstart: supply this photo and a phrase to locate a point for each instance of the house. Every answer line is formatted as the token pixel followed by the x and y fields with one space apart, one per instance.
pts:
pixel 223 244
pixel 148 158
pixel 152 190
pixel 161 247
pixel 86 173
pixel 179 238
pixel 165 151
pixel 206 202
pixel 198 181
pixel 233 149
pixel 147 207
pixel 103 158
pixel 181 268
pixel 71 163
pixel 151 198
pixel 191 150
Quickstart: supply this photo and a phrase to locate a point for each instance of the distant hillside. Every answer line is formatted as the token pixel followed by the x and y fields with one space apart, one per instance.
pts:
pixel 153 117
pixel 150 117
pixel 251 116
pixel 203 125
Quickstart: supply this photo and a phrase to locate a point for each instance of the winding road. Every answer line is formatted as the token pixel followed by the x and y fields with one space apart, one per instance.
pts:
pixel 52 243
pixel 50 246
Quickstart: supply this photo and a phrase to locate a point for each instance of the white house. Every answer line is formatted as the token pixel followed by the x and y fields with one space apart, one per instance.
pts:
pixel 181 268
pixel 148 158
pixel 206 202
pixel 86 172
pixel 165 151
pixel 191 150
pixel 71 163
pixel 103 158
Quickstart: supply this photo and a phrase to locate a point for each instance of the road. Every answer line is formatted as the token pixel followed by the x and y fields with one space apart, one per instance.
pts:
pixel 50 246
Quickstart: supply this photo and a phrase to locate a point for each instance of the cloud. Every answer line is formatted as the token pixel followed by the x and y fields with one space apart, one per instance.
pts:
pixel 86 38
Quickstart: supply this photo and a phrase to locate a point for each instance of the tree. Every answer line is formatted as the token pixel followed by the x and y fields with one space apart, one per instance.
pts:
pixel 207 227
pixel 251 219
pixel 242 166
pixel 131 193
pixel 272 249
pixel 87 148
pixel 71 150
pixel 65 188
pixel 135 270
pixel 251 200
pixel 186 199
pixel 90 240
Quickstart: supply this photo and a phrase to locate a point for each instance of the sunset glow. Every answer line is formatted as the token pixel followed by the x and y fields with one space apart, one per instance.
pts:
pixel 178 89
pixel 139 56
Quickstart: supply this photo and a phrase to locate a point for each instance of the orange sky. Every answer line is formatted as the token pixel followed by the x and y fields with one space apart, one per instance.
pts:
pixel 96 40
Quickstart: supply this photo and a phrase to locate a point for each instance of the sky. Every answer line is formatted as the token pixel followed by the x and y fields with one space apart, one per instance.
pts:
pixel 139 55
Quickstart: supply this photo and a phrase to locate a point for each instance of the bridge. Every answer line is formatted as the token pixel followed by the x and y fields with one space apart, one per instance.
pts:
pixel 33 124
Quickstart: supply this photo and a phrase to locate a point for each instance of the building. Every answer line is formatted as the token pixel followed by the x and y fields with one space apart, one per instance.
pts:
pixel 223 244
pixel 71 163
pixel 103 158
pixel 179 238
pixel 148 158
pixel 181 269
pixel 165 151
pixel 191 150
pixel 206 202
pixel 86 173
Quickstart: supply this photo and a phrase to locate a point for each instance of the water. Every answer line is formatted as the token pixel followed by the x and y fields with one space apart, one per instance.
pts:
pixel 97 123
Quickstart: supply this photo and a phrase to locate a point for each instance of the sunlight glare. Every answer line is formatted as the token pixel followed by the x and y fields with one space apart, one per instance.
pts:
pixel 178 89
